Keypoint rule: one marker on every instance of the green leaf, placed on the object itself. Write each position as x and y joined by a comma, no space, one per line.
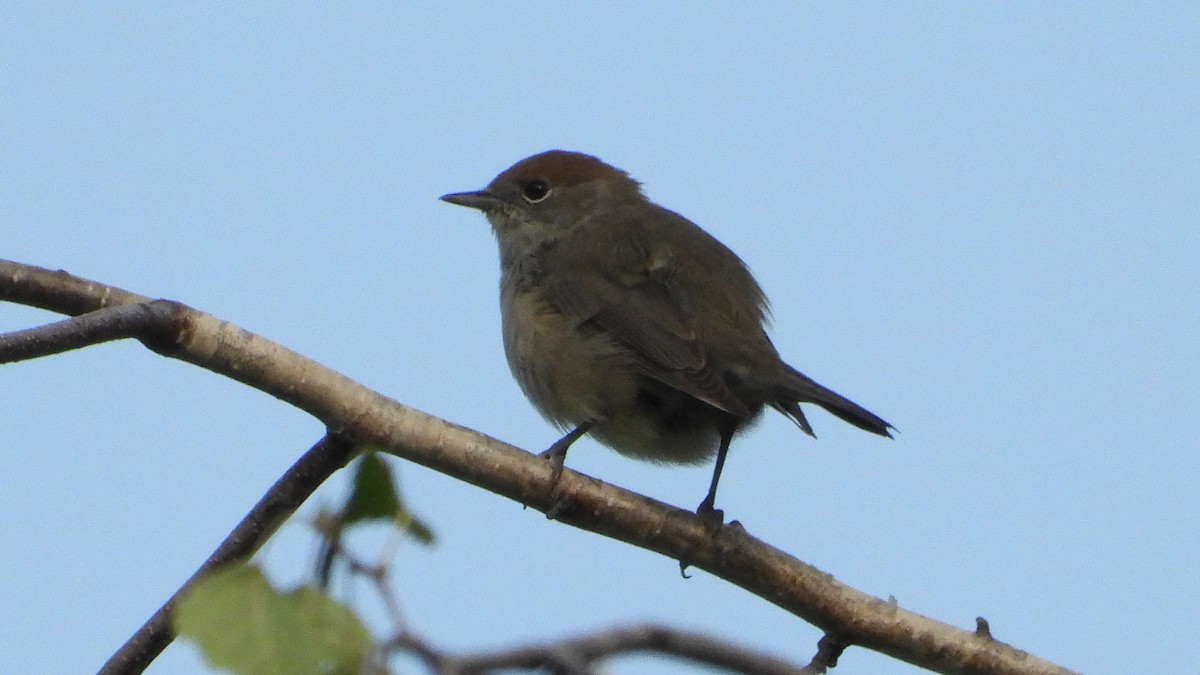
417,529
375,496
243,624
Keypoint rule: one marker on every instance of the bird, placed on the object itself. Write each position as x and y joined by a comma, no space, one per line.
627,322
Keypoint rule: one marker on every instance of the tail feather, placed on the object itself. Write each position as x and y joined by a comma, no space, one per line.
799,388
792,410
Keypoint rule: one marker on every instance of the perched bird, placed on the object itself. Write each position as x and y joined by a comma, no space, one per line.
627,321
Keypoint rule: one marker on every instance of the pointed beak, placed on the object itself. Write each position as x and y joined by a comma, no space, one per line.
482,200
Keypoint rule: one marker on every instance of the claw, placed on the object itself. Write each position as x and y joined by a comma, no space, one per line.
712,518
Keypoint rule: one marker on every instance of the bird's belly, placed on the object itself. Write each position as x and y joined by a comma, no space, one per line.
570,374
641,434
575,373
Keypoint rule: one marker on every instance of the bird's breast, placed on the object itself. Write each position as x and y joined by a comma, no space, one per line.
574,372
570,371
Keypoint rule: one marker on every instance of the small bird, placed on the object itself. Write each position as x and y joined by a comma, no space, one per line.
627,321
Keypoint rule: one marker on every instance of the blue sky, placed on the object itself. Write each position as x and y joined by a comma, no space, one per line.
979,221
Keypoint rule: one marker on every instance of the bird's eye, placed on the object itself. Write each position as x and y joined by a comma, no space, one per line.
535,190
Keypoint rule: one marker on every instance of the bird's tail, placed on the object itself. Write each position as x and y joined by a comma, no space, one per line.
798,388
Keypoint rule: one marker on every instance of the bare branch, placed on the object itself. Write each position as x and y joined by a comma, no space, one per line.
280,502
582,653
829,651
365,416
147,321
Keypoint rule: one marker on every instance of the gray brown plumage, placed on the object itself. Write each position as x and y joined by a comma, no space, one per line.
628,321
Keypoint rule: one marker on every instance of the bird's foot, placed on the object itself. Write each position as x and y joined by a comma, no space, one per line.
712,517
557,455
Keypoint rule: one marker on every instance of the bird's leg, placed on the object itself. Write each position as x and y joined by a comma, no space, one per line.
557,453
707,508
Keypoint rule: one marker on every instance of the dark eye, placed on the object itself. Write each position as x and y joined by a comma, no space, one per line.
535,190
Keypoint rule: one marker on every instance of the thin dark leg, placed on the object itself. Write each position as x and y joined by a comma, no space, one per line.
557,453
707,506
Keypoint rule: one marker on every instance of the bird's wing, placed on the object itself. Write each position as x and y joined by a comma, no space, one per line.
624,288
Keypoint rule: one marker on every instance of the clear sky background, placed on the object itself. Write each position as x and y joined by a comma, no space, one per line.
981,222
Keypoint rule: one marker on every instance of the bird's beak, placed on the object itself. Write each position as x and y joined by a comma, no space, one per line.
482,200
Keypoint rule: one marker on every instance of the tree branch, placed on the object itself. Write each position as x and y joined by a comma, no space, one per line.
581,654
363,416
281,501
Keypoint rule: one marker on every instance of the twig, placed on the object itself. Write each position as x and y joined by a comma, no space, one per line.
280,502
